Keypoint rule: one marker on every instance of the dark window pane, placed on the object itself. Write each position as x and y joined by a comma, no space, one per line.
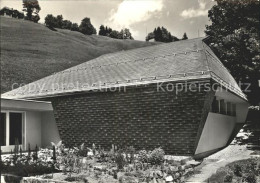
222,107
15,128
229,110
233,109
3,129
215,106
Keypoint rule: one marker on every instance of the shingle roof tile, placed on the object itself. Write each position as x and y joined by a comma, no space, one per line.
182,60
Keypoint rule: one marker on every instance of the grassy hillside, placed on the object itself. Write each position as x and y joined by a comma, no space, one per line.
31,51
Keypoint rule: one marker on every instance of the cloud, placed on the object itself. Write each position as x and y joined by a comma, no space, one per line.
133,11
191,12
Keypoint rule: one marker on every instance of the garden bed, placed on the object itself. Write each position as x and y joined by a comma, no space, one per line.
94,165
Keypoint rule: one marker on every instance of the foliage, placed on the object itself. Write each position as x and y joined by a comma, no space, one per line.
250,178
143,156
86,27
58,22
75,27
115,34
104,31
50,21
126,34
121,164
23,166
16,146
234,37
83,150
32,9
107,31
54,154
66,24
161,34
35,154
184,37
130,154
241,171
120,159
149,36
238,170
155,157
228,178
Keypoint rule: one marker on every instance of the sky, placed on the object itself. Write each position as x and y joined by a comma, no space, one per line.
140,16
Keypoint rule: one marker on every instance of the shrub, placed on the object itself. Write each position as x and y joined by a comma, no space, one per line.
250,178
120,160
130,152
83,150
238,170
228,178
156,156
143,156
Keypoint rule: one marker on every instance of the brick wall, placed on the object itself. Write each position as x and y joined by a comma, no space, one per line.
142,117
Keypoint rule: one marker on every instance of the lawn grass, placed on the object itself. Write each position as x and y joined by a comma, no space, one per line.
31,51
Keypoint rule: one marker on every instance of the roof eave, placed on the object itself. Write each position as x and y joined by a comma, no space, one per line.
102,89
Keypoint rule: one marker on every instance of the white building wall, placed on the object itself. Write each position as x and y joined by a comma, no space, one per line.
32,129
216,132
49,129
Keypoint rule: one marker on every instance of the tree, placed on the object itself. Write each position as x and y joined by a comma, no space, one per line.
86,27
161,34
36,18
184,37
50,21
175,38
59,20
125,34
108,30
102,31
158,34
234,37
115,34
66,24
166,36
32,9
75,27
149,36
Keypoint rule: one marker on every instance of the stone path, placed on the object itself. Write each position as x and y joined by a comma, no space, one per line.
212,163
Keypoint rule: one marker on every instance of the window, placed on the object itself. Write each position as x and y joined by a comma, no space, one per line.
234,110
215,105
3,129
223,107
11,128
229,108
15,128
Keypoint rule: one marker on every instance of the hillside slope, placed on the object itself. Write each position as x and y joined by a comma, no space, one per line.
31,51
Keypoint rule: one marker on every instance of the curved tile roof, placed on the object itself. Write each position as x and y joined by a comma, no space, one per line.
182,60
